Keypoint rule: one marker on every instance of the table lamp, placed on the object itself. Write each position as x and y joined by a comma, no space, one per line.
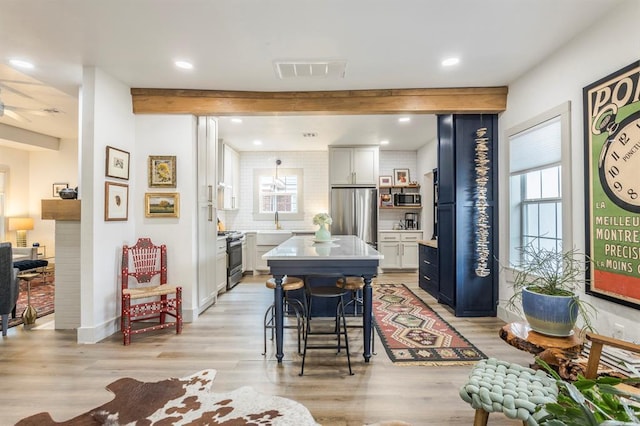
21,225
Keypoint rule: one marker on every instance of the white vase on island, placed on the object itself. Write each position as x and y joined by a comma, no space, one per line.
323,234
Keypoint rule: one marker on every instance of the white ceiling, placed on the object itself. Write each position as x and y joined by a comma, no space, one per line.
233,45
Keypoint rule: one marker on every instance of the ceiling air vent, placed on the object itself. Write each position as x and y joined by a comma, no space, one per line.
310,69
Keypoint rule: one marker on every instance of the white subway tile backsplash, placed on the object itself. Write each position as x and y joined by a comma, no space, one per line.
316,187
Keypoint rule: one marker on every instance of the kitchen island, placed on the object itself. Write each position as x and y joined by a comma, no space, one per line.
345,255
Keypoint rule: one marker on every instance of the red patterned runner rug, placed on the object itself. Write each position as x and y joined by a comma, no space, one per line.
413,334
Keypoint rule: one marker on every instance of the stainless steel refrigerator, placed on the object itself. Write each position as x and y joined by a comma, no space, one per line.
355,212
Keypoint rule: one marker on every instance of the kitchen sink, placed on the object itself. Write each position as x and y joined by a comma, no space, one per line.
272,238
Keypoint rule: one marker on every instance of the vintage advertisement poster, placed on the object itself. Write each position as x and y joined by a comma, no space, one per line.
612,173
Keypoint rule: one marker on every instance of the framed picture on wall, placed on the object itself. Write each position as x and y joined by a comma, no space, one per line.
385,181
401,177
612,188
162,171
116,201
162,204
57,187
117,163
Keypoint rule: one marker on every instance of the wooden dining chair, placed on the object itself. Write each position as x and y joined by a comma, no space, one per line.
595,352
145,292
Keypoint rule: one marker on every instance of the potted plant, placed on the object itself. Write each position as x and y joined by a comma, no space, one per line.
545,284
590,402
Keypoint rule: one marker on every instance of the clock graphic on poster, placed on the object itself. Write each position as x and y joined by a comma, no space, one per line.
619,164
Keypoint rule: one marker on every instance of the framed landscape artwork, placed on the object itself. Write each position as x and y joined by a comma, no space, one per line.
116,201
162,171
612,186
117,163
162,204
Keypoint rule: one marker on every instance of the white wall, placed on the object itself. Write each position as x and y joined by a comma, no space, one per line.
599,51
16,163
316,188
170,135
107,119
47,167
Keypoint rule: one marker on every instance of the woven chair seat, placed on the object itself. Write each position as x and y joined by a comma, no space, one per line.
288,283
142,292
498,386
350,283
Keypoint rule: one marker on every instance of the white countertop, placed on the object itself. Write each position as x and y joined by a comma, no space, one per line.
341,247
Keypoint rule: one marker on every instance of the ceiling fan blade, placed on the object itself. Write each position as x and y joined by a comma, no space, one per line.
17,92
45,112
15,116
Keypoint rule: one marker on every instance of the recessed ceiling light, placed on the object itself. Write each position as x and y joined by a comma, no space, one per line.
257,142
384,142
184,65
404,119
236,120
20,63
450,62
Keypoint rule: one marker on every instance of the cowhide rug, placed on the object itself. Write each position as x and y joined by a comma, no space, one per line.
186,401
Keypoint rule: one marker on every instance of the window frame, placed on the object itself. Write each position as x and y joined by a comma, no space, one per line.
3,202
515,198
258,174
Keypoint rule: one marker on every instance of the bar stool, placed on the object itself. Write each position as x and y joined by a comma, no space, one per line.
355,286
290,304
324,292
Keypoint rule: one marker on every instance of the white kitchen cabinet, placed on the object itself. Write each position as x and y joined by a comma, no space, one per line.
353,165
400,249
265,241
229,185
221,264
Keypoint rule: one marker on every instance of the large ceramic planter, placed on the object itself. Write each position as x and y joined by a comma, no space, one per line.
550,315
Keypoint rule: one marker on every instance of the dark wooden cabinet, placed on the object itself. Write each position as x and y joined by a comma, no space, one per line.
459,285
428,269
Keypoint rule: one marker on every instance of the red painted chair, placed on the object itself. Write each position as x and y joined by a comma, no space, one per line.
145,293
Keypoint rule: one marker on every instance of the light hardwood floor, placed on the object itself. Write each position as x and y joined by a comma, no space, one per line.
45,370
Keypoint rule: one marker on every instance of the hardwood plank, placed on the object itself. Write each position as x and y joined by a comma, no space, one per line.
391,101
46,370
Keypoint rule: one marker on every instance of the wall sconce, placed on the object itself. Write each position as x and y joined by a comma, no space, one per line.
21,225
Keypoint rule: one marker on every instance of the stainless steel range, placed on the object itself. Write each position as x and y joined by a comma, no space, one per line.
234,257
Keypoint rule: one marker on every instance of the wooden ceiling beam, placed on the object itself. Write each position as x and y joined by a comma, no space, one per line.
385,101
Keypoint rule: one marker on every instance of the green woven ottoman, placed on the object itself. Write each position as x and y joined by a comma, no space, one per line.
496,386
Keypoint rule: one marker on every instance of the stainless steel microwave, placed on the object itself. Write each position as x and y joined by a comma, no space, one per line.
402,199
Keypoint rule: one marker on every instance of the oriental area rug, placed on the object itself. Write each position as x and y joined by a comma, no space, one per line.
42,298
185,401
413,334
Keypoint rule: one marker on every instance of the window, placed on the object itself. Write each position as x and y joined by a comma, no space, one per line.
539,178
281,194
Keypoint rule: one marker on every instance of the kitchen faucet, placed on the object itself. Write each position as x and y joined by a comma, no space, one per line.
276,221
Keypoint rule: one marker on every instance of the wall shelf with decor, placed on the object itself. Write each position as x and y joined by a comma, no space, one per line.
400,197
401,207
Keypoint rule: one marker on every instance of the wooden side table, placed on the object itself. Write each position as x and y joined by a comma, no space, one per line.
558,352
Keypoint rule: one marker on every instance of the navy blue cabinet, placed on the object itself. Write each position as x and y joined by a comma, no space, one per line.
428,269
460,287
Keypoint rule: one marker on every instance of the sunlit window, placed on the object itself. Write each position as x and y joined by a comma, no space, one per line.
281,194
538,171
